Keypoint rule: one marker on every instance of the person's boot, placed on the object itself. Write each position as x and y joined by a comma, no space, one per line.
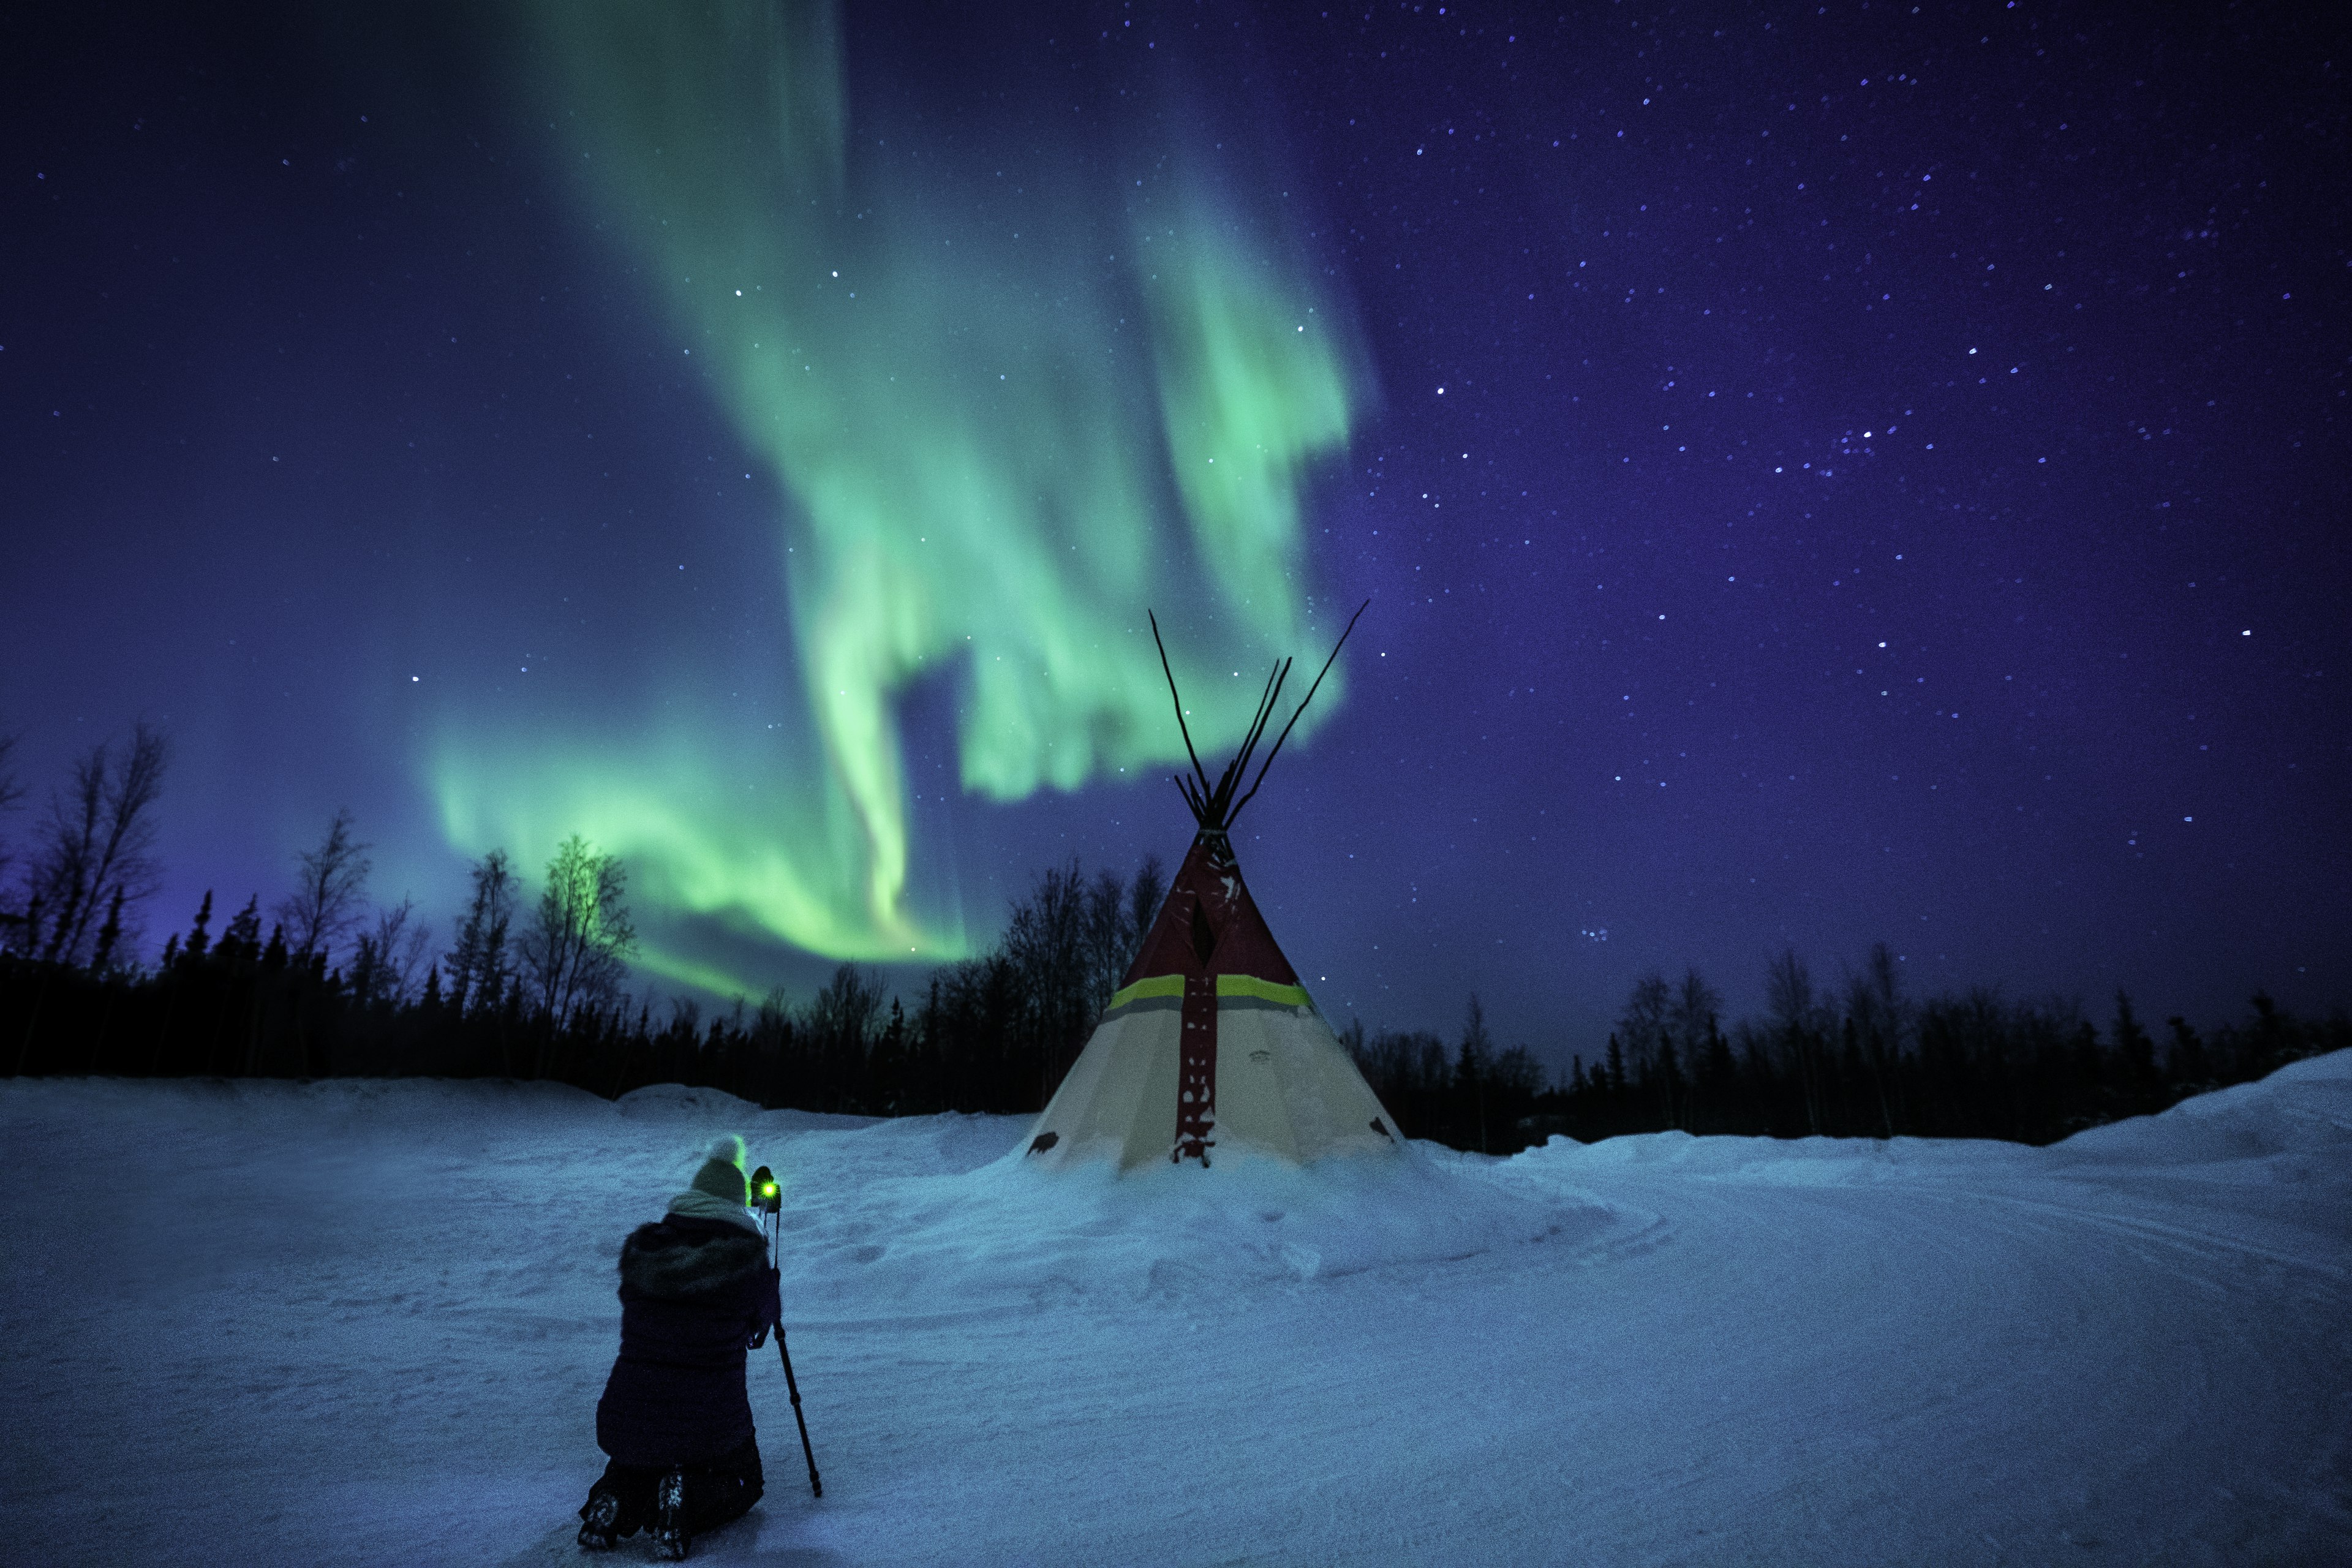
599,1526
669,1537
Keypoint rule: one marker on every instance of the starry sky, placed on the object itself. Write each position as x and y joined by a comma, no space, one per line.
1821,473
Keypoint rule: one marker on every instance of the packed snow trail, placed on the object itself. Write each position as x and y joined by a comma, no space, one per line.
368,1321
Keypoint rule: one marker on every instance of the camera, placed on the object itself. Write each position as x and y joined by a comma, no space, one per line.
767,1192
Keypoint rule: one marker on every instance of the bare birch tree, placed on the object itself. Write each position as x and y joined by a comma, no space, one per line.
1880,1019
574,952
481,964
1798,1026
388,962
93,852
1642,1026
328,900
1472,1067
1689,1024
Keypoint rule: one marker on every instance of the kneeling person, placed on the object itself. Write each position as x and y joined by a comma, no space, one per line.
695,1293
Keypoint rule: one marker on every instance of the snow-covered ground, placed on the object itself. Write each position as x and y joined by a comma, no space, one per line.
368,1321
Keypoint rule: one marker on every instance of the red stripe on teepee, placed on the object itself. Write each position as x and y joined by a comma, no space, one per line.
1196,1072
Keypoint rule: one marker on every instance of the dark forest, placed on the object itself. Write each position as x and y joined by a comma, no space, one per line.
325,985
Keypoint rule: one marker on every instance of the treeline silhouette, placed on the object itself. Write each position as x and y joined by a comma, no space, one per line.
995,1034
1870,1064
534,988
989,1033
1867,1061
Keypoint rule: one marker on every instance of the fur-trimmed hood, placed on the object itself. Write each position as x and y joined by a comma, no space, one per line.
685,1259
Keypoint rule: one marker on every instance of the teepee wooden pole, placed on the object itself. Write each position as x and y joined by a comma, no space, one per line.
1178,697
1302,707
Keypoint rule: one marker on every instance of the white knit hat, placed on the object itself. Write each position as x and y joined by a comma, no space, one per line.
718,1191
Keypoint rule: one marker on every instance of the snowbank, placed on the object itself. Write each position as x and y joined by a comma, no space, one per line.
2297,1121
2289,1125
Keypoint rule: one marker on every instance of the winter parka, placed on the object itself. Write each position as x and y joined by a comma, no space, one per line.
693,1292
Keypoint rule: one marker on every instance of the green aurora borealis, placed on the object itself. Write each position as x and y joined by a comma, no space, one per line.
1008,396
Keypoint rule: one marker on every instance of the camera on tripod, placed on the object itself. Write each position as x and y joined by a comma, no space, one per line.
767,1197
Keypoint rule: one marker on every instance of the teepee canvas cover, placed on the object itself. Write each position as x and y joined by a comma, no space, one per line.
1211,1043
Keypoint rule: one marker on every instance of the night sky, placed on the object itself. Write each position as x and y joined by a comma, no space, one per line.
1821,473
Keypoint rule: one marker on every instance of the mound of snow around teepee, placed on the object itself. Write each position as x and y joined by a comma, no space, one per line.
1009,1230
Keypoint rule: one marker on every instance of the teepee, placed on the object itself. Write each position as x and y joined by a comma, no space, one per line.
1210,1043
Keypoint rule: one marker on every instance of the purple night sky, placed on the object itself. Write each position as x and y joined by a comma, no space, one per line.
1821,475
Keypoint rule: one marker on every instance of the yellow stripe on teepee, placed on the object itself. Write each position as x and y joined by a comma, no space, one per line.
1156,985
1264,990
1227,986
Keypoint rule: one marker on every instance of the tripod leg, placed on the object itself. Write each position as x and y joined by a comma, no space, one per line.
775,1243
816,1486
